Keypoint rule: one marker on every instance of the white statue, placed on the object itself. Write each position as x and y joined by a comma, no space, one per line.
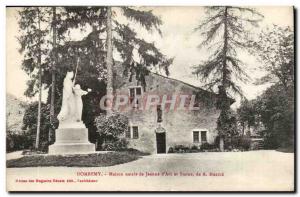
78,92
71,108
68,98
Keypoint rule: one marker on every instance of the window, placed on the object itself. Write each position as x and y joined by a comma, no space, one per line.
132,132
135,94
196,136
131,94
135,132
138,91
128,133
159,113
203,136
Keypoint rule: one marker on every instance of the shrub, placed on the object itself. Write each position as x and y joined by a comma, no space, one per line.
181,148
241,142
121,144
207,146
30,126
171,150
194,147
112,129
245,142
19,141
108,147
118,145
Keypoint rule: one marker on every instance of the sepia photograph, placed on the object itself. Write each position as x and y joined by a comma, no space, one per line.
150,98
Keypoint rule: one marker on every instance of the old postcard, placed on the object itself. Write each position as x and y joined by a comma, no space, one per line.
126,98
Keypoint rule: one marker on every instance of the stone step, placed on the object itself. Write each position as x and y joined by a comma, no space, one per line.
72,148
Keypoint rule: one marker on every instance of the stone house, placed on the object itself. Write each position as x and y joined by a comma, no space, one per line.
160,127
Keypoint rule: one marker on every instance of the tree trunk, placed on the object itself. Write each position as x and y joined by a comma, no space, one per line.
109,61
224,105
243,128
221,144
249,130
225,48
38,129
52,100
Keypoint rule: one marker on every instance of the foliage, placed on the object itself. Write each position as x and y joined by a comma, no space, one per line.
225,31
111,129
34,42
275,50
90,160
18,141
127,44
145,18
247,114
241,142
118,145
193,149
275,111
207,146
89,52
181,148
171,150
26,138
275,107
277,115
30,123
227,123
92,50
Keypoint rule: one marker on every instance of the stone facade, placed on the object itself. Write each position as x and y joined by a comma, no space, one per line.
177,126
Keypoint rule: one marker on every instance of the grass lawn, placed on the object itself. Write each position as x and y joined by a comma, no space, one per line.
89,160
287,149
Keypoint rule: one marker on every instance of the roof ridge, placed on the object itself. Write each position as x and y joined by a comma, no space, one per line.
193,86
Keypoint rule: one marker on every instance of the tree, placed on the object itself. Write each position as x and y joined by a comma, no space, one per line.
276,104
109,58
33,42
33,45
124,39
275,50
247,114
40,85
127,42
91,53
277,116
225,31
52,99
110,34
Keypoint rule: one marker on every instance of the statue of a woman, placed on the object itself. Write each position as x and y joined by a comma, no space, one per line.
68,100
78,93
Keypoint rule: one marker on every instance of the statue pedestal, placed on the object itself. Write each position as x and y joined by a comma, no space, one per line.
71,140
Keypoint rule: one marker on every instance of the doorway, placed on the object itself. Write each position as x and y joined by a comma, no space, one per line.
161,142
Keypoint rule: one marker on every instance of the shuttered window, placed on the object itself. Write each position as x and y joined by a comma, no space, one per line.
203,136
135,132
135,94
196,136
128,133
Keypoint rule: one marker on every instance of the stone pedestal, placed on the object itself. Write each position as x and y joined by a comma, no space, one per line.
71,139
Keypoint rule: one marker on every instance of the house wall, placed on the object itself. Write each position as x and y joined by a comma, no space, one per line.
179,125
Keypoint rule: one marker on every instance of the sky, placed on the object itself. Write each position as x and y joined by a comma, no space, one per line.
178,40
